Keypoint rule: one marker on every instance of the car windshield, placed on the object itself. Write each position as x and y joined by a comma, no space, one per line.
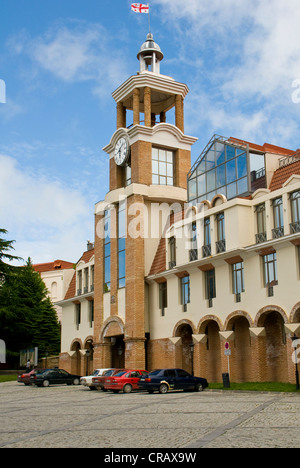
119,374
109,372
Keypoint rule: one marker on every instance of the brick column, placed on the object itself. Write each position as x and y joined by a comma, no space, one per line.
99,283
179,112
135,288
147,106
136,106
121,115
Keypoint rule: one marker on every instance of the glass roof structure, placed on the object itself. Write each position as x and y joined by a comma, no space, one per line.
227,168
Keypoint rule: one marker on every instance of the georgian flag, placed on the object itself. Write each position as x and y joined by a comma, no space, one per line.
140,8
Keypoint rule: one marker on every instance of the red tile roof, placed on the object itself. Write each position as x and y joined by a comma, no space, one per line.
282,174
71,292
266,148
52,266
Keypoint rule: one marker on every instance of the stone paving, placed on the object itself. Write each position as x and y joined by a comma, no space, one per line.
75,417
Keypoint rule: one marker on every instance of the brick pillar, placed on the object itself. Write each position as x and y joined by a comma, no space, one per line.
135,288
136,106
121,115
114,263
179,112
147,106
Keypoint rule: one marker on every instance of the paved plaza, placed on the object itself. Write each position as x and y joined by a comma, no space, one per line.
70,417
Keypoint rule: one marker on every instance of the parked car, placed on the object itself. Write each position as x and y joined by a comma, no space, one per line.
87,381
54,377
125,380
98,382
26,376
164,380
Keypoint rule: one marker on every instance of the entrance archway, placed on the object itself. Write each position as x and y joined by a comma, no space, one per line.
241,349
275,355
185,332
212,352
76,358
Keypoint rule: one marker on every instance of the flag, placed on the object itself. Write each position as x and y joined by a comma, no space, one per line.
140,8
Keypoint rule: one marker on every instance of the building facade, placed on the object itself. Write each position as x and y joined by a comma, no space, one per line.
190,259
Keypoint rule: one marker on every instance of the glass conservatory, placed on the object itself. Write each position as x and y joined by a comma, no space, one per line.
228,168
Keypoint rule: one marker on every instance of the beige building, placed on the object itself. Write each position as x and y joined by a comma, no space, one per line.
188,259
56,276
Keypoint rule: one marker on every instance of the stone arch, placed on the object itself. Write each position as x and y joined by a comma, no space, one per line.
218,196
75,348
232,317
185,330
260,316
295,313
113,326
208,318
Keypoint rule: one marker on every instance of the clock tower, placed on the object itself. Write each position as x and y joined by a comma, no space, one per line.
149,159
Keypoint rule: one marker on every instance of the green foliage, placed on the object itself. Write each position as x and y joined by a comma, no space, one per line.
27,316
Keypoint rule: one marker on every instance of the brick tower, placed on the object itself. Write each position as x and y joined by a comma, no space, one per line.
149,161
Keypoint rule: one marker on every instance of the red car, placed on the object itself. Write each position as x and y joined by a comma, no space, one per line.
98,382
125,380
25,378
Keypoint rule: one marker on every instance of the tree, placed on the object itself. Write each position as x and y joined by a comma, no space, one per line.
5,247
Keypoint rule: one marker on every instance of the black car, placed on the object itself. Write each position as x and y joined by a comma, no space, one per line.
54,377
164,380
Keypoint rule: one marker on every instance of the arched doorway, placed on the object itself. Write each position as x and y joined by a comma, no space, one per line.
241,349
76,358
185,332
212,351
275,355
117,351
112,337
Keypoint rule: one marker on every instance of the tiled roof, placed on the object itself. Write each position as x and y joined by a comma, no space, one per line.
266,148
86,256
282,174
52,266
72,288
159,262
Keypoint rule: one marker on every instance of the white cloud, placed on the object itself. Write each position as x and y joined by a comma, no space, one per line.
52,220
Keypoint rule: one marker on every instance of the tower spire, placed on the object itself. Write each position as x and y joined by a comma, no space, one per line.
150,55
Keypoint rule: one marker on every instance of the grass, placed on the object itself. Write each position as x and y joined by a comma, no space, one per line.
257,387
8,378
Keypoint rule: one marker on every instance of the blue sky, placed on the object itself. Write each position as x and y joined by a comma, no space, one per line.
62,59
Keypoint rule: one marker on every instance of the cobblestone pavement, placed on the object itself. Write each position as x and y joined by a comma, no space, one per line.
66,417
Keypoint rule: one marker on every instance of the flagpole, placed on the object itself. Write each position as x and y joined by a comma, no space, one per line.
149,18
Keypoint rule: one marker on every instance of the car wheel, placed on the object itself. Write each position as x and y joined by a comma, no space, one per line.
76,382
46,383
127,388
163,388
92,388
199,388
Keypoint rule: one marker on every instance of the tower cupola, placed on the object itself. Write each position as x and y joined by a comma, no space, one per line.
150,55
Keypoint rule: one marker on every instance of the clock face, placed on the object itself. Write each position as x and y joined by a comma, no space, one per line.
121,151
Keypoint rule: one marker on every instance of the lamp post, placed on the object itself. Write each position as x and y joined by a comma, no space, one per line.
192,346
295,344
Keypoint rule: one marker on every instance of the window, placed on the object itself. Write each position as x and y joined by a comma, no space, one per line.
298,258
127,175
185,292
295,209
238,280
162,167
261,235
210,285
163,297
79,284
172,252
106,251
278,230
193,249
91,313
121,244
221,243
86,280
92,273
270,272
207,241
77,315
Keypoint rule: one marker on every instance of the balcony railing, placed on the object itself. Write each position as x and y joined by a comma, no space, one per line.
193,255
206,251
295,227
261,237
278,232
221,246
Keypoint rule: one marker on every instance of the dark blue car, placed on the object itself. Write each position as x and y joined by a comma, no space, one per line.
164,380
